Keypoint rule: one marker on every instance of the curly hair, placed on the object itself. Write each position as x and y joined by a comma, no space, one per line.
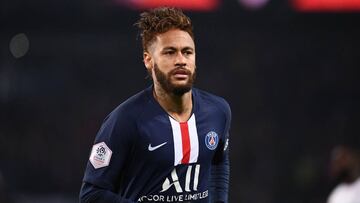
160,20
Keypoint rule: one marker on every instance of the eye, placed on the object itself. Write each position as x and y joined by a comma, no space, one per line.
169,52
187,52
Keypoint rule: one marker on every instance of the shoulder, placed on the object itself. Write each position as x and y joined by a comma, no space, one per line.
345,190
209,99
132,108
338,194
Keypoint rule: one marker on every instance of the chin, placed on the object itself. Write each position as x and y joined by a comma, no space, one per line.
179,91
180,88
182,84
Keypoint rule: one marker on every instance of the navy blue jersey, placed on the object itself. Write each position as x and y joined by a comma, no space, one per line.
142,154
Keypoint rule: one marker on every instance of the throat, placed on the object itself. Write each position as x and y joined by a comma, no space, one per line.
180,117
178,107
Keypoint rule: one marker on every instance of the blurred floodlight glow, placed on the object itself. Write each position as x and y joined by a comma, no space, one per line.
326,5
253,4
192,5
19,45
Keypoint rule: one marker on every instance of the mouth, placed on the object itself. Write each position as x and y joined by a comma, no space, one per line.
181,74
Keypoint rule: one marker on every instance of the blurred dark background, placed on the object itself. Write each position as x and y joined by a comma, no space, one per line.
290,76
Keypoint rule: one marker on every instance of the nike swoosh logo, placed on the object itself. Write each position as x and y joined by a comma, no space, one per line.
151,148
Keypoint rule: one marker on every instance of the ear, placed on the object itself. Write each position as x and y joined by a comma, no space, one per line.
147,60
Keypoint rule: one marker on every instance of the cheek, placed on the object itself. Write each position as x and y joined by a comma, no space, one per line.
192,62
192,67
164,66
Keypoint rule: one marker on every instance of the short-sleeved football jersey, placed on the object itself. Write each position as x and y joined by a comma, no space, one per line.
145,155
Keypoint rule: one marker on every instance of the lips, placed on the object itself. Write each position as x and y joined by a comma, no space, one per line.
180,72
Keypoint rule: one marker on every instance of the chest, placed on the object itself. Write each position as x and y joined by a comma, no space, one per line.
165,142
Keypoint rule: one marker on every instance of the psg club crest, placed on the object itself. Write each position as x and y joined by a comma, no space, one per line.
211,140
100,155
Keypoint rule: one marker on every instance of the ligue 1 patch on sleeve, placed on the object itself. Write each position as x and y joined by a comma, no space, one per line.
100,155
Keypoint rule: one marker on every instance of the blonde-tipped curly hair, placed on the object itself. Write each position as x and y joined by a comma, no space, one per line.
160,20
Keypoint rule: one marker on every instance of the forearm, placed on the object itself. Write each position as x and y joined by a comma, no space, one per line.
92,194
219,184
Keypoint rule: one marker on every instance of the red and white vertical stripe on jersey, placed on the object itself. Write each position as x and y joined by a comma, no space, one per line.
185,138
186,143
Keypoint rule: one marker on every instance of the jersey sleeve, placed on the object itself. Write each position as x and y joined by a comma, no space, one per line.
220,169
110,152
93,194
222,150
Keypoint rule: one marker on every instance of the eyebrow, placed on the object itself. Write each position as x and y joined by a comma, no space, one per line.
173,48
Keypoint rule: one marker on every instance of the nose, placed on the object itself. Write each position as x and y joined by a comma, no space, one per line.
180,60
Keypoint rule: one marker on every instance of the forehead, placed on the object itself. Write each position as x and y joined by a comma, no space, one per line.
173,38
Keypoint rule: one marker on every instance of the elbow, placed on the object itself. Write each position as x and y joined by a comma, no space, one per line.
87,193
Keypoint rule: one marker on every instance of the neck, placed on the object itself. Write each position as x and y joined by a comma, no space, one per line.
177,106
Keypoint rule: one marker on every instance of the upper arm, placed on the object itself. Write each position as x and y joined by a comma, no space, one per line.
111,148
222,150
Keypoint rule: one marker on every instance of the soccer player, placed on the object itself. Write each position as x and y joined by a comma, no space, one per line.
345,168
169,142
